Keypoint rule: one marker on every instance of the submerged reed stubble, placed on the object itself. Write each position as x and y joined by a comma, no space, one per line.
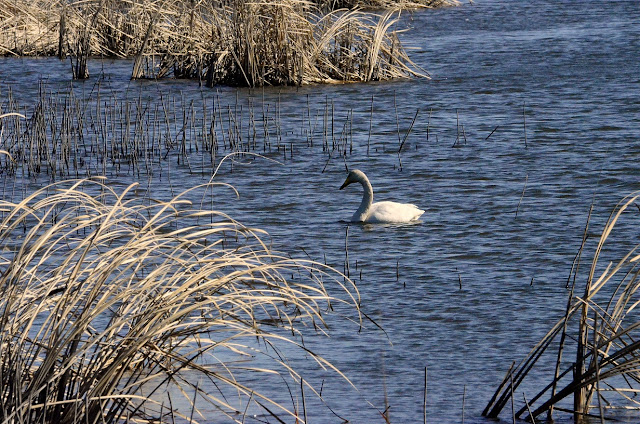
106,300
78,135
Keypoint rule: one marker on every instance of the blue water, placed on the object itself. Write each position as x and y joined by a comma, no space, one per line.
532,113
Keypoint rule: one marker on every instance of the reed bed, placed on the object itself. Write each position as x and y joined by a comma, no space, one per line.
107,301
386,4
595,346
83,134
85,130
247,43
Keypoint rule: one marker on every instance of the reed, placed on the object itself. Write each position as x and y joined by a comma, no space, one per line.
106,302
79,134
603,324
386,4
248,43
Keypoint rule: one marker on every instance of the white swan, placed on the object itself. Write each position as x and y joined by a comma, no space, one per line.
379,212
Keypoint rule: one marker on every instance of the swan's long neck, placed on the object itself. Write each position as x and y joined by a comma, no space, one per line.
367,201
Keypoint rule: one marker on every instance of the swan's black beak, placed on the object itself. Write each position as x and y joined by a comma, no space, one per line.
346,183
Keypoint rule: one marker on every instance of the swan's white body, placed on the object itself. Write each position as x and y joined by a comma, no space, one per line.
380,212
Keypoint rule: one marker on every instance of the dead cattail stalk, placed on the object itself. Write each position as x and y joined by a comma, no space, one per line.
304,406
370,126
464,395
524,125
424,399
138,72
533,420
522,195
491,133
429,123
346,251
406,136
62,32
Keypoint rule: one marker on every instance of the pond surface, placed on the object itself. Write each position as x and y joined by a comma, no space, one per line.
532,114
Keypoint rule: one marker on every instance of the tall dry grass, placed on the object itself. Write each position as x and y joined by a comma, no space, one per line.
106,301
249,43
385,4
595,346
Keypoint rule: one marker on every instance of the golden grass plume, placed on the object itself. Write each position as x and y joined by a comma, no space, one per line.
106,299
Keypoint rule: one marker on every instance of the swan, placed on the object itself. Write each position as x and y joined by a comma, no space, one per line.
380,212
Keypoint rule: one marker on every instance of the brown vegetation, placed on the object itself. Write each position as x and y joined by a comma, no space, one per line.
601,323
385,4
76,133
108,301
282,42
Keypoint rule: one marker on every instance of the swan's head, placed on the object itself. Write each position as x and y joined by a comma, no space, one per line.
355,176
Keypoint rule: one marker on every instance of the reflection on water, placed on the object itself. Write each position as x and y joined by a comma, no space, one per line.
472,287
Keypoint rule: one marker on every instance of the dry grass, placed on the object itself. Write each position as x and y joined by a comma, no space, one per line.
105,300
602,324
249,43
386,4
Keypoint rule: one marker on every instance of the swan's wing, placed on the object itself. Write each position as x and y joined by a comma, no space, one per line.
393,212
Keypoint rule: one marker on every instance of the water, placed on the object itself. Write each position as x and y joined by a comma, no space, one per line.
472,287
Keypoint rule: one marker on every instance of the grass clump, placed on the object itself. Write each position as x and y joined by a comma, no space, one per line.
105,303
595,346
386,4
247,43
